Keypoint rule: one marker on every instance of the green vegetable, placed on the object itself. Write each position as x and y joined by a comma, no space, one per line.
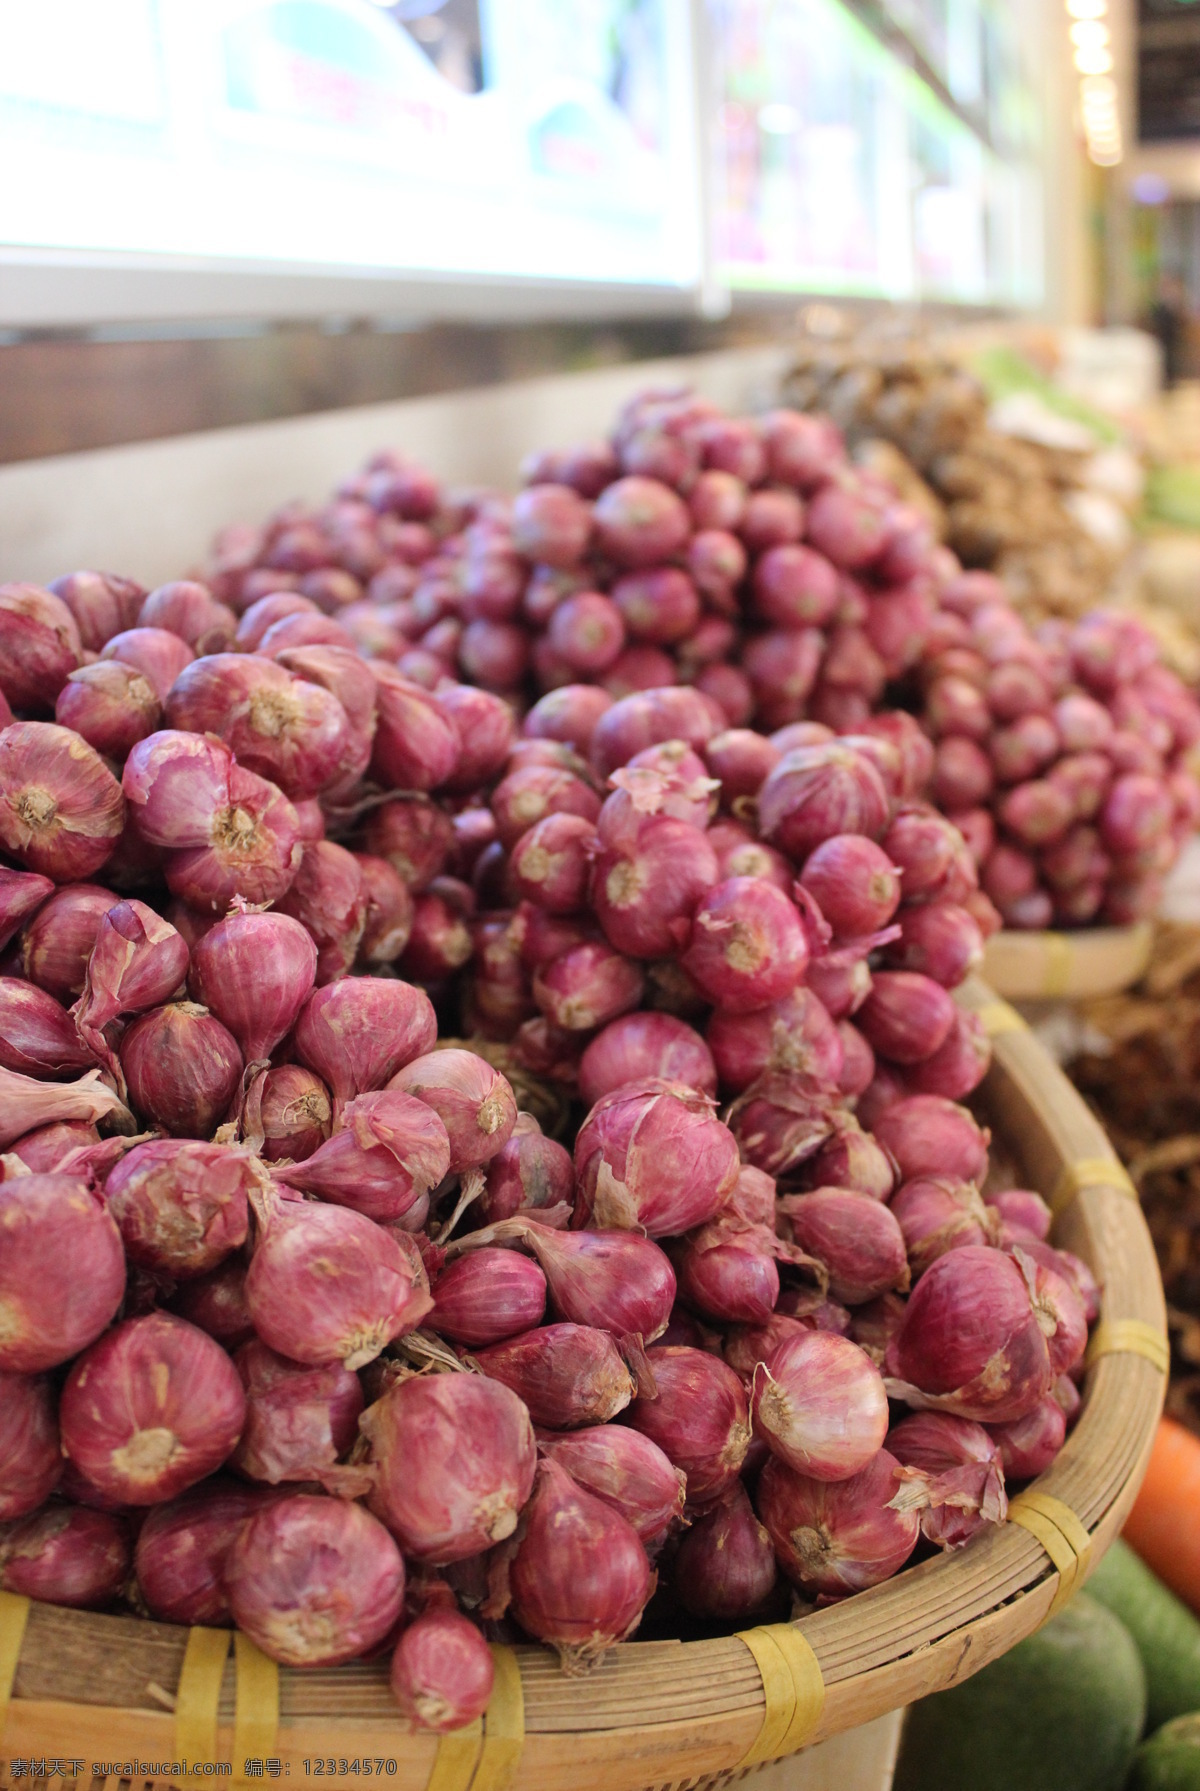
1170,1760
1061,1712
1166,1633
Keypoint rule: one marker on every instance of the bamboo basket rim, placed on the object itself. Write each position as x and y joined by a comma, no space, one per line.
675,1715
1074,966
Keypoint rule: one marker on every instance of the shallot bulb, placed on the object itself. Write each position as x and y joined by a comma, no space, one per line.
635,1046
294,1113
580,1579
30,1458
527,1175
727,1272
182,1067
936,1214
906,1017
355,1034
298,1419
68,1555
21,893
699,1419
552,862
190,610
959,1064
39,646
782,1120
138,961
414,835
929,1136
816,792
747,948
388,1152
724,1570
314,1582
628,1472
62,1270
615,1281
442,1671
59,939
851,1158
181,1206
328,1285
255,971
110,705
854,884
328,898
586,986
971,1342
565,1374
151,1409
252,848
156,653
416,746
474,1102
819,1403
648,876
488,1296
285,729
181,1550
651,1155
832,1539
101,602
455,1458
961,1475
61,808
795,1033
389,917
1028,1445
855,1238
216,1303
36,1036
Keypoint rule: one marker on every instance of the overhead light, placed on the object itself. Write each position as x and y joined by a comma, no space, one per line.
1089,34
1087,9
1093,62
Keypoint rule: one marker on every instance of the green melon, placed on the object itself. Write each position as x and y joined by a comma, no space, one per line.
1166,1633
1170,1760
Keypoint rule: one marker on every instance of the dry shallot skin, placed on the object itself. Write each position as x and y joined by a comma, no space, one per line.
298,1419
488,1296
389,915
179,1560
156,653
314,1581
1028,1445
174,783
580,1579
566,1375
183,1068
36,1036
30,1459
652,1156
724,1570
626,1471
62,1271
216,1303
455,1458
587,985
326,1284
747,946
39,645
27,1104
527,1175
795,1033
138,961
861,1247
819,1403
700,1418
834,1539
965,1474
928,1135
474,1102
152,1408
328,897
102,603
66,1555
110,705
181,1205
442,1671
970,1342
388,1152
782,1120
357,1033
61,808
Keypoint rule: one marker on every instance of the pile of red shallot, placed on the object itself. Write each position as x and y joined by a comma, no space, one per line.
750,559
378,1272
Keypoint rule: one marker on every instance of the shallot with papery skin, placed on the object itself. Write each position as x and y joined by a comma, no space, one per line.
442,1671
907,1016
851,1158
724,1570
645,1044
488,1296
39,645
314,1582
252,848
552,862
936,1214
527,1175
648,876
292,1109
62,1270
36,1036
59,939
66,1555
959,1064
971,1342
389,917
616,1281
110,705
819,1403
182,1067
929,1135
580,1579
138,961
190,610
255,971
699,1418
861,1247
1028,1445
795,1033
216,1303
747,948
961,1485
727,1271
939,940
652,1155
328,1285
156,653
840,1538
414,835
1021,1210
357,1033
854,883
299,1419
151,1409
816,792
625,1470
27,1104
181,1205
416,746
782,1120
565,1374
61,808
30,1458
389,1151
21,894
329,899
455,1458
181,1548
474,1102
102,604
586,986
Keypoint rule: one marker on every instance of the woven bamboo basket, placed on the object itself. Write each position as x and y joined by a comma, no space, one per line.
1067,966
119,1692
